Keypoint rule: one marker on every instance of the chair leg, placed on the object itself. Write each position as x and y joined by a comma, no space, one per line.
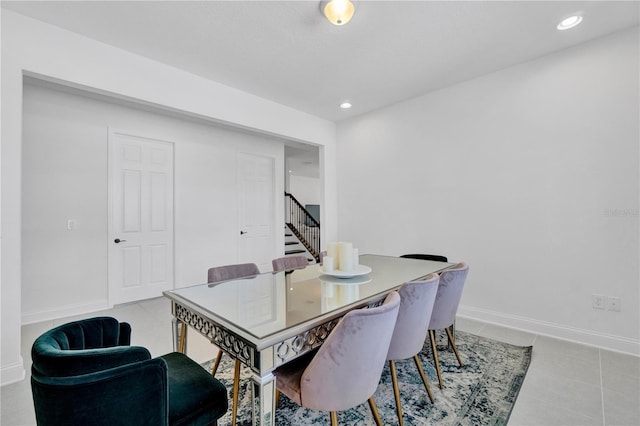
334,418
277,397
423,376
453,330
214,369
183,338
434,351
453,344
396,390
374,411
236,388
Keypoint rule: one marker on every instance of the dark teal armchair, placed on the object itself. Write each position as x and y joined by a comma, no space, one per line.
86,373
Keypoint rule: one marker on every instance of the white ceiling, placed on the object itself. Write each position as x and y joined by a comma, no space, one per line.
287,52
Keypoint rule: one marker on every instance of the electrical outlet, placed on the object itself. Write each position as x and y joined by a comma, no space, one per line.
598,301
613,303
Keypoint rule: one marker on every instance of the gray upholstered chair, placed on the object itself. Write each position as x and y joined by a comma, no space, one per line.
224,273
87,373
288,263
445,309
346,369
411,329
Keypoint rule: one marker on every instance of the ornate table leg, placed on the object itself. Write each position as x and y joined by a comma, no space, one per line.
263,389
264,401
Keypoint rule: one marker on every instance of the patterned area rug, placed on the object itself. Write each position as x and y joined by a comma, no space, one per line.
482,392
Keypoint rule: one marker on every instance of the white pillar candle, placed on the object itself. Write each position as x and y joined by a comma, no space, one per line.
332,251
327,264
356,258
345,256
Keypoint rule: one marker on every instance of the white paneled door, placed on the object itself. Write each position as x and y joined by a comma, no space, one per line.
141,217
256,209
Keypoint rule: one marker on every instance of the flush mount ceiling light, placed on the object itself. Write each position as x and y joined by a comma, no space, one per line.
338,12
345,105
569,22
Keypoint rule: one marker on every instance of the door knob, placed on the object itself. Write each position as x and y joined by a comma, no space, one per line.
243,232
118,240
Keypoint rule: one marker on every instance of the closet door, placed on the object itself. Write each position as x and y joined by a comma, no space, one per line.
256,209
141,254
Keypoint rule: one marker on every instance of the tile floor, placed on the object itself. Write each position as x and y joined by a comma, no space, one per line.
567,383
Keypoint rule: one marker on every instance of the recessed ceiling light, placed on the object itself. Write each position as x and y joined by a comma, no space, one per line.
345,105
569,22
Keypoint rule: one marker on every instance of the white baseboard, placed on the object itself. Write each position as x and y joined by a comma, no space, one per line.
586,337
64,311
12,373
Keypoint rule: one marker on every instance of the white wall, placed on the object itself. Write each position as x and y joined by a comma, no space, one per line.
65,177
307,190
33,48
529,174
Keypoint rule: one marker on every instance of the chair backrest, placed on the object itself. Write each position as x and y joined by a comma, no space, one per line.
435,257
323,253
230,272
346,370
448,297
289,262
85,346
412,325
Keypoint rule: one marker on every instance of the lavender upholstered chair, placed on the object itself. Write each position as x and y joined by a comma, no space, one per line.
411,329
289,262
346,369
230,272
444,310
223,273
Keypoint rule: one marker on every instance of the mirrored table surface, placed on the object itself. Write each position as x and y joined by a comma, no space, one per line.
270,304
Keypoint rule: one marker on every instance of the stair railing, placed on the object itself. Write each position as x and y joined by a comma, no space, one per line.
303,225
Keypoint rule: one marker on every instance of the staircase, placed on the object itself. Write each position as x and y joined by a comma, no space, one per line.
302,230
294,247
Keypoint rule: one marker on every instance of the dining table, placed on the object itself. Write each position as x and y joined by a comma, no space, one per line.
270,319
